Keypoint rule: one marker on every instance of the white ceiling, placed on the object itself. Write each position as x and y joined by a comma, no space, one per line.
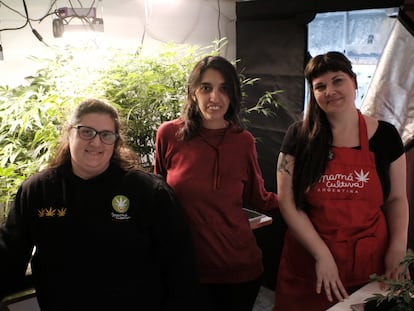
178,21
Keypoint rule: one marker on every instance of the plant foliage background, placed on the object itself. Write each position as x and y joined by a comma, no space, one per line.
400,293
147,88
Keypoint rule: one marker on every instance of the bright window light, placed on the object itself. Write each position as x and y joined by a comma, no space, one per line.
172,2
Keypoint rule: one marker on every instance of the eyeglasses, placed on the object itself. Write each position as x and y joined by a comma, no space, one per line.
89,133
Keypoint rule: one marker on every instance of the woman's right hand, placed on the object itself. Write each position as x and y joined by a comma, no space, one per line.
327,278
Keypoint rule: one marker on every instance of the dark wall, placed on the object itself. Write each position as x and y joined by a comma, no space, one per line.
266,46
410,185
273,50
271,9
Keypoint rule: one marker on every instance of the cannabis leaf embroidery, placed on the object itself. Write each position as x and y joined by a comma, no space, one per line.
61,212
41,213
121,203
50,212
362,176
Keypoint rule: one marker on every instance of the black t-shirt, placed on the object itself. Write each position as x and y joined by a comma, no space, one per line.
386,144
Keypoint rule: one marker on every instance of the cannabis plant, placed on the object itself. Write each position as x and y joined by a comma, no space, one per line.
400,293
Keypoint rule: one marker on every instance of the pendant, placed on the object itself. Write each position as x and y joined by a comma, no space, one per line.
331,155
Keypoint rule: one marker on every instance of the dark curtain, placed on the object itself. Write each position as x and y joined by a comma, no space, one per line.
274,51
409,147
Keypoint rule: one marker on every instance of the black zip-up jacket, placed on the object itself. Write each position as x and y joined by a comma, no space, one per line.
118,241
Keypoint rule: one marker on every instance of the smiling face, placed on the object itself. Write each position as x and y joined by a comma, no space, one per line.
212,99
334,91
91,157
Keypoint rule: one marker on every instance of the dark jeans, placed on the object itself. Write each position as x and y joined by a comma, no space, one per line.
229,297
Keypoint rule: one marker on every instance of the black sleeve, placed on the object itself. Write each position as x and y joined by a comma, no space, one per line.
289,141
387,145
15,249
176,251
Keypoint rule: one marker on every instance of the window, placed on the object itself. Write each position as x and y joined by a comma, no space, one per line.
361,35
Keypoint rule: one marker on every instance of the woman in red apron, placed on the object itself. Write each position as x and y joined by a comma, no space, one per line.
342,193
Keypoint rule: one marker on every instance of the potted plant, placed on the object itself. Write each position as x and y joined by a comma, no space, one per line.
400,293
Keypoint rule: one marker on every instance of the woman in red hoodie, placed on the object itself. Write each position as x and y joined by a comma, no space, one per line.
210,161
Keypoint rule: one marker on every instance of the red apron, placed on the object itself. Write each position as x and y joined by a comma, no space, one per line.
346,212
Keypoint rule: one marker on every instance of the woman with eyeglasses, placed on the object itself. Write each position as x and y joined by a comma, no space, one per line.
106,235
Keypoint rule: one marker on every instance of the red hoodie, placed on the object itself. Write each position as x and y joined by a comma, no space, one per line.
212,175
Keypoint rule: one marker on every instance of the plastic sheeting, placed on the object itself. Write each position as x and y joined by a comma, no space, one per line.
390,95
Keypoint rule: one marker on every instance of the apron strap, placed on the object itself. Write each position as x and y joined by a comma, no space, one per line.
363,132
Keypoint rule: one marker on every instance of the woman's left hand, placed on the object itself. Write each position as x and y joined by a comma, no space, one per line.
393,269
